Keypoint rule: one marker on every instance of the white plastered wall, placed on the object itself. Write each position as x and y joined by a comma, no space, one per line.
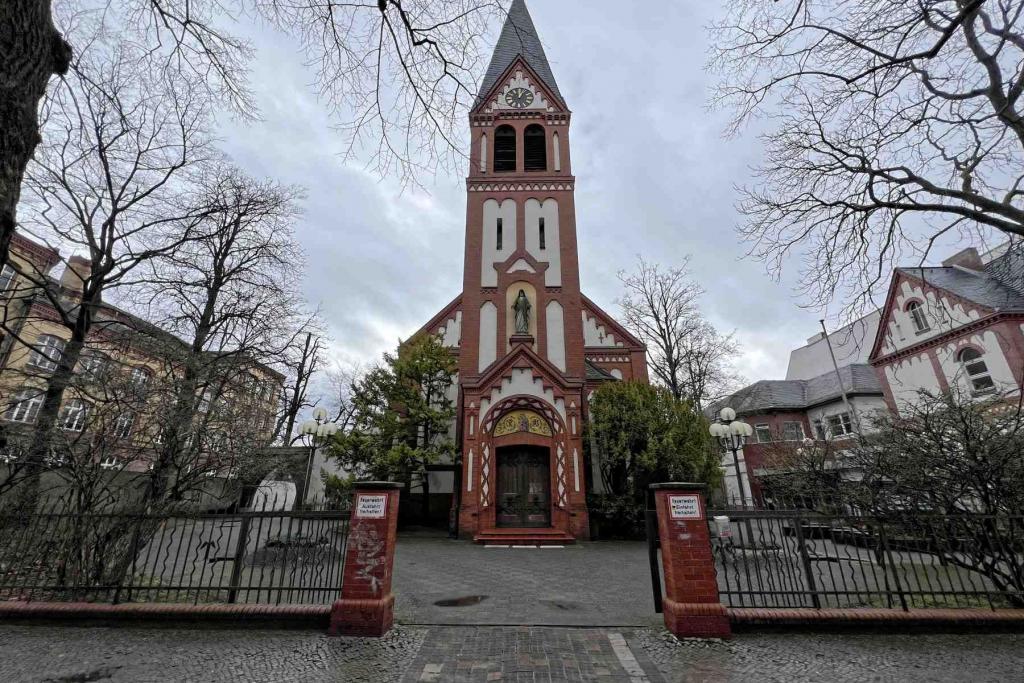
943,313
909,376
995,359
488,335
556,335
551,254
451,331
490,254
521,382
595,334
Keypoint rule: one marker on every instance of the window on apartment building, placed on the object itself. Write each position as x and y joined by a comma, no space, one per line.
109,462
977,371
918,317
6,278
764,433
74,415
140,380
94,364
25,406
123,425
206,400
840,425
792,431
819,430
47,352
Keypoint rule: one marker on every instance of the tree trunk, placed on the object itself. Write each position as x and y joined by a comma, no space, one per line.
31,50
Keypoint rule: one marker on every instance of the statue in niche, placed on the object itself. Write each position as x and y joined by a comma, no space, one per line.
521,308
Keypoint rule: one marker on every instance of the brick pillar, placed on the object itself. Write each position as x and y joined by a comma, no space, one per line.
691,605
367,605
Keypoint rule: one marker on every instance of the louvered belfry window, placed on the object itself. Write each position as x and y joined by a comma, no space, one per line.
535,148
505,149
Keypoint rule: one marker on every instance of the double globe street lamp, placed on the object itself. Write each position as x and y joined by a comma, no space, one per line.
316,433
732,435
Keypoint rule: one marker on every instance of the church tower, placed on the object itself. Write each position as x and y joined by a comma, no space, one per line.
531,347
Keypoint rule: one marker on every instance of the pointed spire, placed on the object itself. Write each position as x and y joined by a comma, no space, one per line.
518,37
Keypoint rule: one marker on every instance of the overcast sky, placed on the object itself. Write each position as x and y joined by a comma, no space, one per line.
655,178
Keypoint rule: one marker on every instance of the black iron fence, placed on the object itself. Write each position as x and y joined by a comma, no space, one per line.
771,558
264,556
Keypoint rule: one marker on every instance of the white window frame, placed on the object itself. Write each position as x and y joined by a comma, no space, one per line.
93,363
124,424
108,462
800,425
47,352
25,407
845,422
7,276
982,374
767,428
74,415
915,309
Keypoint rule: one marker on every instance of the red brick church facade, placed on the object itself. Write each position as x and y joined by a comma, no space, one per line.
522,396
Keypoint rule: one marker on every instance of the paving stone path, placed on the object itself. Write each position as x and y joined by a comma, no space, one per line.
587,584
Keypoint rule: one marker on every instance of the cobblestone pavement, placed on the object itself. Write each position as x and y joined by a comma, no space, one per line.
836,658
47,654
587,584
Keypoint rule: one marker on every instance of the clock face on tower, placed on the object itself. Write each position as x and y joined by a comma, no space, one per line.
519,98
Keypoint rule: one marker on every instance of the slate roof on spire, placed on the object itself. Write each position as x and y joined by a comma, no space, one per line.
518,37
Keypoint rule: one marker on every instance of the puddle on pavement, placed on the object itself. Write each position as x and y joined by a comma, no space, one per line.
461,602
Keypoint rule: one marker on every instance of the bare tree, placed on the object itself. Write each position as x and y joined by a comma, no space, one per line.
229,293
304,360
685,352
892,124
111,184
399,73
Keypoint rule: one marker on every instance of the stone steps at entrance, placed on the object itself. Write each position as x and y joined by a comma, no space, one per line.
526,536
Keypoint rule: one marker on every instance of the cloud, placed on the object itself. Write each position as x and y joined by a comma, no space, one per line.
655,178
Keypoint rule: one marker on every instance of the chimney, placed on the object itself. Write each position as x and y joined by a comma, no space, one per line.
968,258
75,274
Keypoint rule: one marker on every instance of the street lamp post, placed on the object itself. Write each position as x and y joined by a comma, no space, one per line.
732,434
316,433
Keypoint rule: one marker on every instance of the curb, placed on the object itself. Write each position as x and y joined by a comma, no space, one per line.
161,614
875,620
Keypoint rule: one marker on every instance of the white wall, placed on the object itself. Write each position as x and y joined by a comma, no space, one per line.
594,333
490,254
521,383
909,376
551,254
995,359
451,331
943,314
556,335
488,335
852,344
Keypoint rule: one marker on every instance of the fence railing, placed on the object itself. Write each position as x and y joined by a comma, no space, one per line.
266,556
768,558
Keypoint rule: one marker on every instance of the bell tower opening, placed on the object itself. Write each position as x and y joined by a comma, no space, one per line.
505,149
535,148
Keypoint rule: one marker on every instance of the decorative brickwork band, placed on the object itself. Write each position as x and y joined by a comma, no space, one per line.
366,607
691,605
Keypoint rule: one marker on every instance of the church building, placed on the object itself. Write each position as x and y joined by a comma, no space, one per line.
531,347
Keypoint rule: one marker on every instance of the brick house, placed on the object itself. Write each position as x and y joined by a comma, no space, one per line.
530,346
959,324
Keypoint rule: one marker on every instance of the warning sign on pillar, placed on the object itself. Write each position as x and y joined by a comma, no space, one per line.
685,507
371,507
